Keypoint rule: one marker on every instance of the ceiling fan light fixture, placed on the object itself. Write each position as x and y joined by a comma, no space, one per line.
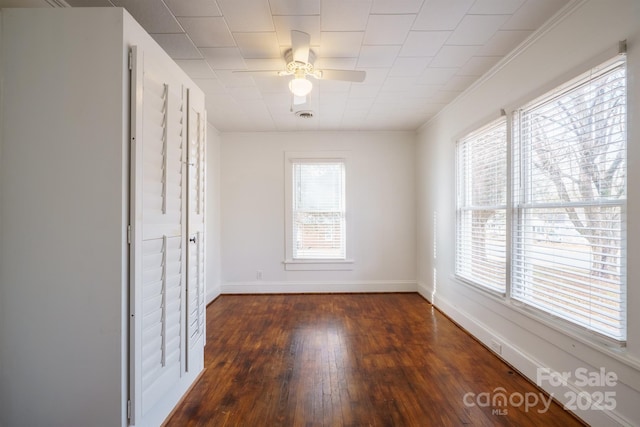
300,86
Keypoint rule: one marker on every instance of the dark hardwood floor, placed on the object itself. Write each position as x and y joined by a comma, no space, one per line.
351,360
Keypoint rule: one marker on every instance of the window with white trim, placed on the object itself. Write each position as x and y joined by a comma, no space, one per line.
316,219
318,210
568,233
481,206
570,198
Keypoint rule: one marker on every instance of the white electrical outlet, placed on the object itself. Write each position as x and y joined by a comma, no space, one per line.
259,275
496,346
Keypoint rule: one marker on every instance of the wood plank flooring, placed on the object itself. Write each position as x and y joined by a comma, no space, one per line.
349,360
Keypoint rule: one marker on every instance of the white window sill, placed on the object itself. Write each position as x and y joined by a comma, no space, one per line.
318,264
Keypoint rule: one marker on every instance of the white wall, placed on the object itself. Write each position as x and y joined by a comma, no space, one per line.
62,212
213,213
565,50
380,202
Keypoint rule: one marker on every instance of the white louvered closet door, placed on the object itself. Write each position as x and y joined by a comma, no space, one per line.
158,312
196,292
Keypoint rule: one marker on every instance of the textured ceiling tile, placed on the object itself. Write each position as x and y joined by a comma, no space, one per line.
453,56
424,91
396,6
336,44
196,68
230,79
409,66
210,86
360,103
503,42
418,54
306,24
208,31
424,43
243,93
478,65
396,84
375,76
224,58
364,91
153,15
258,45
336,63
193,7
73,3
495,7
247,15
459,83
339,15
476,29
295,7
377,56
388,29
327,86
438,15
275,64
178,46
436,76
533,14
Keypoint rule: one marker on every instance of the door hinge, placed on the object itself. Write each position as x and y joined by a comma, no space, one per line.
130,60
129,234
128,409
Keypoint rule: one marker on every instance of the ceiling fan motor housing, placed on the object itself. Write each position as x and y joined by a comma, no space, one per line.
293,66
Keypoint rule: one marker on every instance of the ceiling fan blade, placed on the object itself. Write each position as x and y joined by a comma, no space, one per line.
344,75
300,46
298,100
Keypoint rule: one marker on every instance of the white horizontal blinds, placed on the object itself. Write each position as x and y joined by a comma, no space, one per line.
481,206
570,199
319,210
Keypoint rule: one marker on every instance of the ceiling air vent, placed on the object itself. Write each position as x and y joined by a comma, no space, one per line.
305,114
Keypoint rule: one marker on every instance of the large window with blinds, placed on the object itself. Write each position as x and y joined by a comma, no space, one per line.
570,197
482,206
318,209
567,237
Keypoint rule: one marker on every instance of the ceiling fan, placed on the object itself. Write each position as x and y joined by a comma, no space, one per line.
300,59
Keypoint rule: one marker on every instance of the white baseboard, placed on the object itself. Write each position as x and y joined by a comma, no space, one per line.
212,293
522,361
425,291
263,287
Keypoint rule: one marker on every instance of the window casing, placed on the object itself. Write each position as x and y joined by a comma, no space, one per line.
567,241
317,227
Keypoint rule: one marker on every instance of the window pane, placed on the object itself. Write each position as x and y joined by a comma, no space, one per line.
568,254
318,211
481,206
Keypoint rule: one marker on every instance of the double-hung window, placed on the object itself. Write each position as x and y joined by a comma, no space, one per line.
567,207
482,206
570,198
316,213
318,210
